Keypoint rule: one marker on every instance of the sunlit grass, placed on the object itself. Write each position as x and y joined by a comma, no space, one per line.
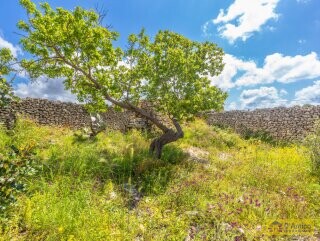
79,193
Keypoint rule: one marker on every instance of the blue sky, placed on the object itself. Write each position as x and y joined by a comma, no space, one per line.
272,46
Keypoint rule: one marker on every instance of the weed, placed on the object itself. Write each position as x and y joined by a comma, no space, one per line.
313,143
110,188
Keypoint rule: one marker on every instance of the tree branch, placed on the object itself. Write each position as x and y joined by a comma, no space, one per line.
126,105
178,127
145,114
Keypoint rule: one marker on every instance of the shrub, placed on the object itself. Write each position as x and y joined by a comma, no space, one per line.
261,135
14,167
313,142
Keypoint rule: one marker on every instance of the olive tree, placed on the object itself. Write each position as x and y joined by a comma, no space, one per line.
169,71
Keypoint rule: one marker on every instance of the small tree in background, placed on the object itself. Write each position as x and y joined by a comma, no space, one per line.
169,71
6,94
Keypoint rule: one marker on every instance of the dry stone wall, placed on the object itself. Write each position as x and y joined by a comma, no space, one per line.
281,123
47,112
72,115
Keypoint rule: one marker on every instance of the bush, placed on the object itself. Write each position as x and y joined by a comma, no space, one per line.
313,142
261,135
14,167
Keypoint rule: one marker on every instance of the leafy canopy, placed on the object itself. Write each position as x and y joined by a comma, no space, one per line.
6,93
170,71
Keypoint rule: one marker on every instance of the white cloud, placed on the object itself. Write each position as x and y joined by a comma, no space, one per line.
243,18
276,68
283,69
52,89
205,28
15,50
232,106
308,95
264,97
283,92
233,66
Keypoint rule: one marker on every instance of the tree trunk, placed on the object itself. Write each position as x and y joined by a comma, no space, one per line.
169,136
97,124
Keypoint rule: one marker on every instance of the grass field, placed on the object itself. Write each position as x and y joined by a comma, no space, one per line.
109,188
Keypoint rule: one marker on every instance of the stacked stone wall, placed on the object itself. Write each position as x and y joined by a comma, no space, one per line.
46,112
281,123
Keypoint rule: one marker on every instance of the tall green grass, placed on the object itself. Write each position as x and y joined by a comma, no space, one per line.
83,190
313,143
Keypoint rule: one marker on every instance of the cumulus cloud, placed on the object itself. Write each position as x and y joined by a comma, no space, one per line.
308,95
52,89
276,68
232,106
15,50
233,67
263,97
283,69
243,18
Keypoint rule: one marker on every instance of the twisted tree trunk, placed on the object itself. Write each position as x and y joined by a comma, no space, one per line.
168,136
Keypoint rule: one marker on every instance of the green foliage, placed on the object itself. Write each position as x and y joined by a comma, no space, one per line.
259,135
6,94
18,160
14,168
211,136
84,188
170,71
63,41
174,69
313,143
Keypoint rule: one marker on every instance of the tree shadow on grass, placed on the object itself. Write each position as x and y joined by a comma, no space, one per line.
132,170
149,174
141,175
